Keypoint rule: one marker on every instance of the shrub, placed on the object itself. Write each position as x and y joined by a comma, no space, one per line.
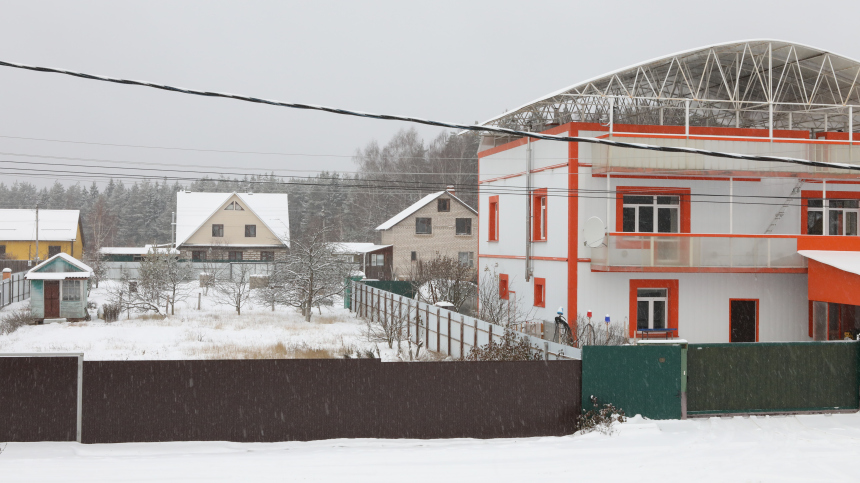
10,322
111,312
600,419
510,348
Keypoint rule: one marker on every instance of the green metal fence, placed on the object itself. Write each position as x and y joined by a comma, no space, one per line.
395,286
771,377
640,379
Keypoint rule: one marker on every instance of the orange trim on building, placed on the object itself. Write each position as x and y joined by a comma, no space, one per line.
698,270
522,257
504,288
757,303
493,225
540,292
539,231
572,229
665,177
672,285
620,191
829,284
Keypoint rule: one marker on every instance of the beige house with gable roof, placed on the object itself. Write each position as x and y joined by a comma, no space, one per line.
440,224
232,227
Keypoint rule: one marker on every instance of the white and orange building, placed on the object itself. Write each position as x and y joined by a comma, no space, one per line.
722,250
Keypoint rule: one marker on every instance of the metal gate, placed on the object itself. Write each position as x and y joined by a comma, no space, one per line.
772,377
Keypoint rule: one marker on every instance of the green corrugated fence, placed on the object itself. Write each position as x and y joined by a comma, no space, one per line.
640,379
772,377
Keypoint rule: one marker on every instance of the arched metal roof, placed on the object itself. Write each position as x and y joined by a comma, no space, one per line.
735,84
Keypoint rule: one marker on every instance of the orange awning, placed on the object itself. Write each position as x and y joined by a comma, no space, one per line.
834,276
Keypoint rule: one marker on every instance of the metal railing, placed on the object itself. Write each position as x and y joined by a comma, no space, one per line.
14,289
442,330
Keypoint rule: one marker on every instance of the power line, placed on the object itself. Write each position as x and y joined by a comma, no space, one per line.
372,187
465,127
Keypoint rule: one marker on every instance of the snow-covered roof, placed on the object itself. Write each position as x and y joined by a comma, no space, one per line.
36,274
356,248
193,209
54,225
845,261
417,206
135,250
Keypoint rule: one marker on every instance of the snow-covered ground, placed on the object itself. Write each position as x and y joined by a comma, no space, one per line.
214,332
795,449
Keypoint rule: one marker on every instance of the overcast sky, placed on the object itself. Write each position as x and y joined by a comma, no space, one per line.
457,61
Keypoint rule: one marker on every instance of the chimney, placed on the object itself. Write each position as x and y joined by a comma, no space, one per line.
450,189
7,273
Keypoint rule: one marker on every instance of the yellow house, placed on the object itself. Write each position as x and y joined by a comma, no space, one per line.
59,232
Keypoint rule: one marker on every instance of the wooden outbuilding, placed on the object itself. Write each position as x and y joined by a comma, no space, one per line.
58,289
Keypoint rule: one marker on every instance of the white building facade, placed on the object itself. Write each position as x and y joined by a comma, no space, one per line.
703,248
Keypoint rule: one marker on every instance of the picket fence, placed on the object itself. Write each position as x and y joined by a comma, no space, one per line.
442,330
14,289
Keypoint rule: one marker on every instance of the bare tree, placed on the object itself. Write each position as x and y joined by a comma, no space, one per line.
444,279
178,276
494,309
142,294
232,287
391,326
95,260
274,293
314,272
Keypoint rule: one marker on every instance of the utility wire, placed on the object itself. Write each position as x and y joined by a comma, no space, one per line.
465,127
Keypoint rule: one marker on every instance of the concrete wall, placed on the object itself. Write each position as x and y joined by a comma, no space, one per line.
443,241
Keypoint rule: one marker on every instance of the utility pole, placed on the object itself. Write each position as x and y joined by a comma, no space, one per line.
37,233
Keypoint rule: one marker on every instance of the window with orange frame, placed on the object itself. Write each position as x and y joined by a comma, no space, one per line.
539,215
540,292
494,219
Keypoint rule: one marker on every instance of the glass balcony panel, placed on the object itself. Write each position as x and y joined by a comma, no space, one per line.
666,251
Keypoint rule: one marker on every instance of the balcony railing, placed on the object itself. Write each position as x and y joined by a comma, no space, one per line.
614,159
697,252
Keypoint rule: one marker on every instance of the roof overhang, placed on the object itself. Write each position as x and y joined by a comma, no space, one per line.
834,276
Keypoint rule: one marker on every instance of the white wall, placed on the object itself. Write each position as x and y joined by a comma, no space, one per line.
703,301
703,297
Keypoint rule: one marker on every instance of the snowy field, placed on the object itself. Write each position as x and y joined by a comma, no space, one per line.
794,449
214,332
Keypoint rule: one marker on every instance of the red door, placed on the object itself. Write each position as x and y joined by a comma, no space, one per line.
52,299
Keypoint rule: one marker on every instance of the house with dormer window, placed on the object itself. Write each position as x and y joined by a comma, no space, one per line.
232,227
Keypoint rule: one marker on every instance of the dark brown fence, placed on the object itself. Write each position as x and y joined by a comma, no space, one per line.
285,400
38,398
15,265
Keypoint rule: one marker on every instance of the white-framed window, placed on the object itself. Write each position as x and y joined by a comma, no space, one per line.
72,290
377,259
842,217
234,206
467,258
651,214
651,308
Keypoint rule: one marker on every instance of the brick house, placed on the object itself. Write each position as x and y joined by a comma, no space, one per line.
232,227
439,224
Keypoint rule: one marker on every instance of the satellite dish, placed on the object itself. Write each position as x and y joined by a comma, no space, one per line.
595,232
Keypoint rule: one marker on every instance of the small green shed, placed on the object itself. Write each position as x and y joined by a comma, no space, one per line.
58,289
